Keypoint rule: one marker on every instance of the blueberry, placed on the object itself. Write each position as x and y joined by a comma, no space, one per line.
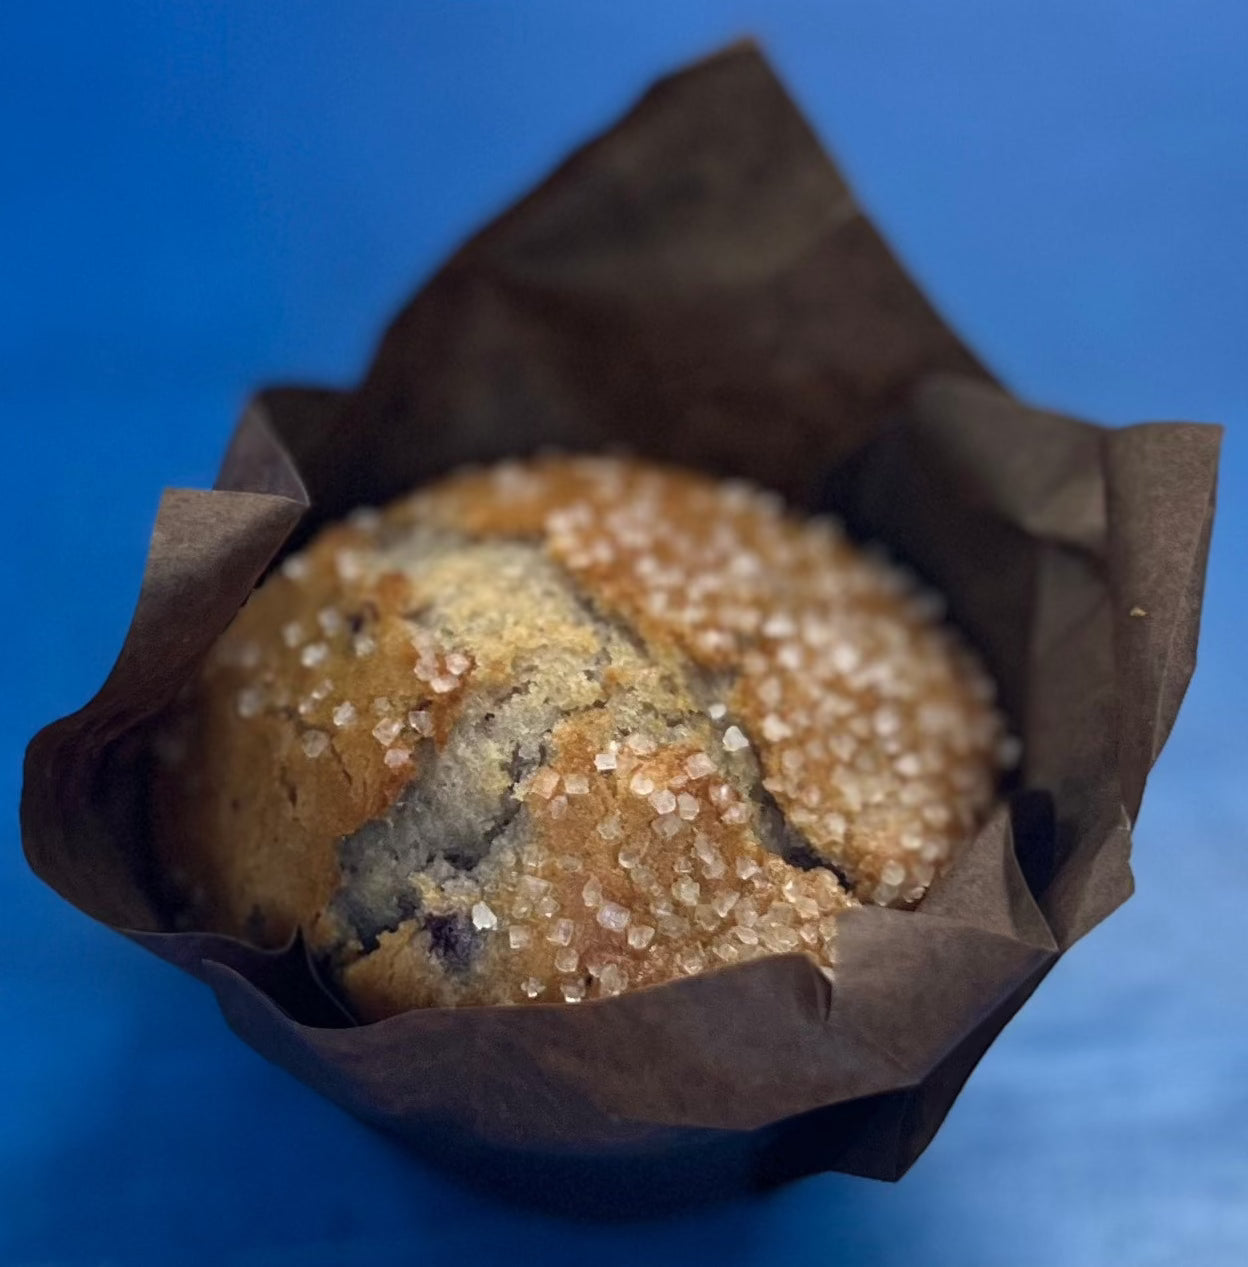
453,939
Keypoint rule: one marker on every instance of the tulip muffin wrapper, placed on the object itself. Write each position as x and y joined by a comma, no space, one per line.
697,285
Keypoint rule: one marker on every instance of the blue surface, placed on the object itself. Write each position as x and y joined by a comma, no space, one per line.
200,198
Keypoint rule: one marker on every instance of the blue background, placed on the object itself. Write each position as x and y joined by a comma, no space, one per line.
196,199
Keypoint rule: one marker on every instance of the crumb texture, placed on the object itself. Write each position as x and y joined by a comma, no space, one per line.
552,730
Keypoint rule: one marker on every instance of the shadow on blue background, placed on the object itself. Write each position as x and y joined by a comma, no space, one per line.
200,198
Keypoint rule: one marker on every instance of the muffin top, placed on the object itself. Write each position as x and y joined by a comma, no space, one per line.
554,729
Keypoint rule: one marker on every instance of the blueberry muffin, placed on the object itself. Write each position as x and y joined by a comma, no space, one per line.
552,730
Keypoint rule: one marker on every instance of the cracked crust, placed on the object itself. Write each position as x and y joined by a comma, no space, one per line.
462,745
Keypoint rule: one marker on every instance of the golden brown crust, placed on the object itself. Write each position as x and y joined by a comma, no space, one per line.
873,725
620,675
608,893
265,769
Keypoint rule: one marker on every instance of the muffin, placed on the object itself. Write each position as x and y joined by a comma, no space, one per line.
552,730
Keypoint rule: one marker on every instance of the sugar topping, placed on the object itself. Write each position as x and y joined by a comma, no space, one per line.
872,722
824,675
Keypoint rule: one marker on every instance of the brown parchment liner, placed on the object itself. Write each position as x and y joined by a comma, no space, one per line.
698,285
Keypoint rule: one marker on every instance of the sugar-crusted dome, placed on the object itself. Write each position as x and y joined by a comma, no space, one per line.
551,730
